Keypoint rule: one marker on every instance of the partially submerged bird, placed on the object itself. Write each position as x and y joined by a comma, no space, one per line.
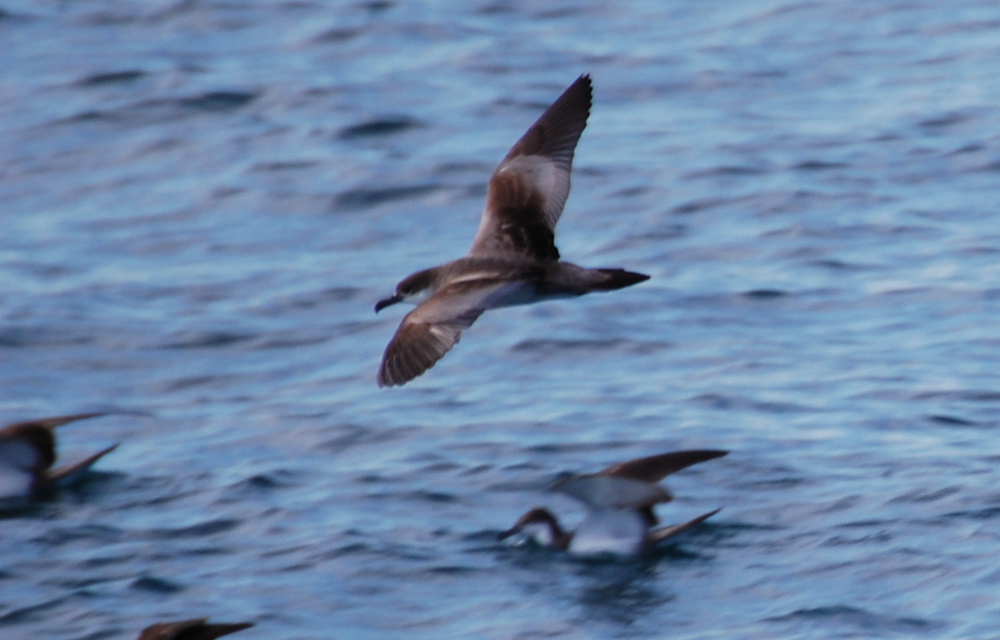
513,259
197,629
619,501
28,451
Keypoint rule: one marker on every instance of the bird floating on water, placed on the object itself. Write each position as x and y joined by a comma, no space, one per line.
28,451
513,259
197,629
619,502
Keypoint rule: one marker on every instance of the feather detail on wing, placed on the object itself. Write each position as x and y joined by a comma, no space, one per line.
428,332
528,189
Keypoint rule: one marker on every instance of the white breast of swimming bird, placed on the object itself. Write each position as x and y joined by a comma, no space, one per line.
16,460
14,483
539,533
617,531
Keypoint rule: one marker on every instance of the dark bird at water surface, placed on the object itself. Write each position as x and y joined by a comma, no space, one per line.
619,502
28,451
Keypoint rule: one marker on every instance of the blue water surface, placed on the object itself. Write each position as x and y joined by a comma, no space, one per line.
202,200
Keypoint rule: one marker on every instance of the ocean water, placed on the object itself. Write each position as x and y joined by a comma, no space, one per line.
201,202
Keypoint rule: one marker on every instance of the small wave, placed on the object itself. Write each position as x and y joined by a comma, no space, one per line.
165,109
952,421
155,585
763,294
367,197
967,396
818,165
378,127
543,347
218,100
113,77
200,530
698,205
732,402
290,165
208,339
942,121
336,35
867,623
727,170
32,612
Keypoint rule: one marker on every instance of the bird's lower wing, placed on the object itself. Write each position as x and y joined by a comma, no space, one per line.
416,347
660,534
69,473
433,328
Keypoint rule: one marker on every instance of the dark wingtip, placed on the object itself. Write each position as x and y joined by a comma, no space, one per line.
387,379
57,421
70,473
196,628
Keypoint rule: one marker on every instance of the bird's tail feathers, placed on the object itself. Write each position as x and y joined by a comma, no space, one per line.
619,279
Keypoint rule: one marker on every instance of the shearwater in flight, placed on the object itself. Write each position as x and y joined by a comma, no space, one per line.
513,260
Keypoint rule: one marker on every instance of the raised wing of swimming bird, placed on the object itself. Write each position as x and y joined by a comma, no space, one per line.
660,534
658,467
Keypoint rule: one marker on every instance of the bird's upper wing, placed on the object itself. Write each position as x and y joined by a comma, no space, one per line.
609,492
528,189
434,327
54,421
655,468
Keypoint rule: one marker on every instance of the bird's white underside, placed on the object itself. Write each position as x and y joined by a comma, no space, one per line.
610,531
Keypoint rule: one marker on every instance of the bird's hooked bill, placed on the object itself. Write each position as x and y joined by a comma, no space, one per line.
382,304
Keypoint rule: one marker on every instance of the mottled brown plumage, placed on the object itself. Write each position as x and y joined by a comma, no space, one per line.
513,259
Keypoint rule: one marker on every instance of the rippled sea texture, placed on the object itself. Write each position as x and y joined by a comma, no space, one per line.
201,202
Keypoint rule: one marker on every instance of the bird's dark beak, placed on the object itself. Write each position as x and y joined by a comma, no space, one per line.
382,304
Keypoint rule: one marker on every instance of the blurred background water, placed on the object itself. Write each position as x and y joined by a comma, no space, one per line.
202,200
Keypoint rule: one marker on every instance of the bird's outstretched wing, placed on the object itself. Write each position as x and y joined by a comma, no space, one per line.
528,189
435,326
660,534
658,467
